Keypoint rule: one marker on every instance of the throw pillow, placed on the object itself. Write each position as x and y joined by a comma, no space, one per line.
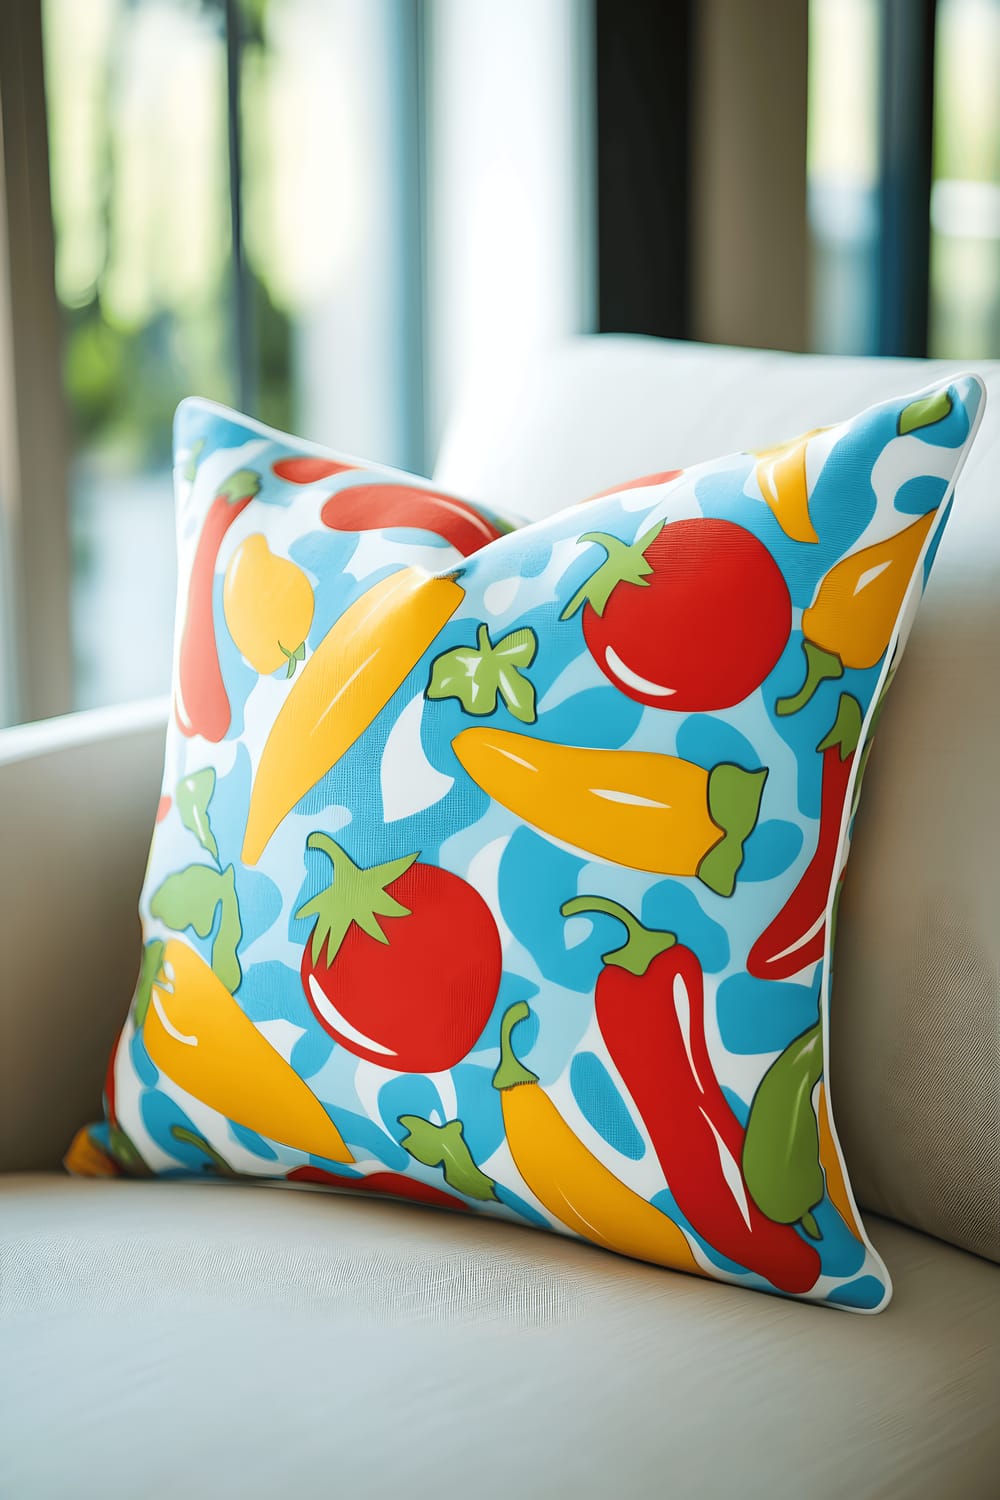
497,868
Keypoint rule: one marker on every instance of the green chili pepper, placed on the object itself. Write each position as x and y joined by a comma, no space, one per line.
781,1147
124,1152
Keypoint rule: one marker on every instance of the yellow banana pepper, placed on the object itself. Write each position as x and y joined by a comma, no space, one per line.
781,475
196,1034
345,684
86,1159
568,1180
268,606
634,808
829,1159
851,620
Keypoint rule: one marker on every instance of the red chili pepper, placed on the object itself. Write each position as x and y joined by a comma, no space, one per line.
650,1009
308,470
636,484
202,705
110,1109
797,935
392,1183
371,507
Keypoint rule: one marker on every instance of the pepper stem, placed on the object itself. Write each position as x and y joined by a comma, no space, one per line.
642,944
845,731
734,796
820,665
812,1229
244,484
292,658
512,1071
625,563
190,1138
152,962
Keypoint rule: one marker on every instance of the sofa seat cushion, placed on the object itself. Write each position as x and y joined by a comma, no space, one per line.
215,1339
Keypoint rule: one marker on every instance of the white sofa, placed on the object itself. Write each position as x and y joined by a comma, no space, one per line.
207,1340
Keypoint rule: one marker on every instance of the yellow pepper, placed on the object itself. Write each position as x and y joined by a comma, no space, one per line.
829,1158
197,1035
851,620
85,1158
781,475
634,808
568,1180
268,606
348,680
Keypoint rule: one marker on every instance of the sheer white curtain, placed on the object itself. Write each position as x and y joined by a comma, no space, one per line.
510,202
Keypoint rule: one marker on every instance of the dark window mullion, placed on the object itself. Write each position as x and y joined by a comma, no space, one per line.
643,58
244,341
907,135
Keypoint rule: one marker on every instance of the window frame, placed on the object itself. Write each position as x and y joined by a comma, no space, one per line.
36,668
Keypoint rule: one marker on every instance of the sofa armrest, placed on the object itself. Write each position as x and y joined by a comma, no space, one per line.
77,801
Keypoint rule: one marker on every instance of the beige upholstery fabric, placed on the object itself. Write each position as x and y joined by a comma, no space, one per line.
77,802
210,1340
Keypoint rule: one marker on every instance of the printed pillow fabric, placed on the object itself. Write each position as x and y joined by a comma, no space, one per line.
496,867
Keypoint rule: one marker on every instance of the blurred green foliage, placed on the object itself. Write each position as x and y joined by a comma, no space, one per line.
141,210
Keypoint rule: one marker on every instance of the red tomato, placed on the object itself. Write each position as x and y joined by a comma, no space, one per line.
308,470
691,617
416,997
393,1184
370,507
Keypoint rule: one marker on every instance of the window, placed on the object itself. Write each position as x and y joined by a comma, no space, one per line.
874,66
230,196
843,173
331,213
965,197
252,200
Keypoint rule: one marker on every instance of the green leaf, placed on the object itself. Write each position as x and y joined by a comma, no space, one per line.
193,795
444,1146
518,648
225,961
190,468
482,675
152,958
191,898
925,412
